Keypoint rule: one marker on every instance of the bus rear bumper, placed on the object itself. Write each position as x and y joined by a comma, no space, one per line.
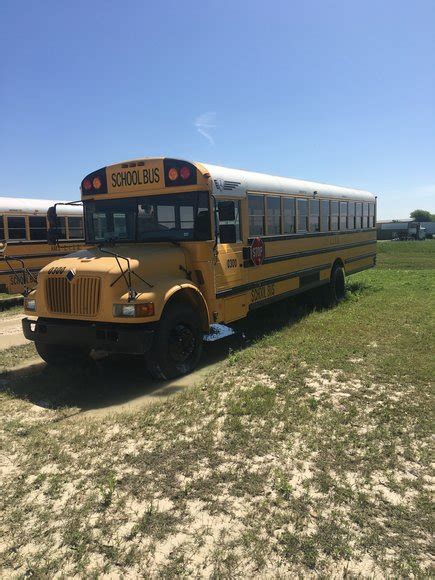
116,338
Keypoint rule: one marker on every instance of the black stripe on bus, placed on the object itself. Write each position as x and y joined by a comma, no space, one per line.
371,255
304,253
296,236
18,271
42,242
272,280
31,256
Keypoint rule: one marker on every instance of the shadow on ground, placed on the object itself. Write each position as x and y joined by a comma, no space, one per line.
120,382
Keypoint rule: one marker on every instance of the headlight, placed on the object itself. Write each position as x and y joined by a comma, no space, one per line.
30,304
133,310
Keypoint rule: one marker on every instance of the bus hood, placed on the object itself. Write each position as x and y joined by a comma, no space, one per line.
151,261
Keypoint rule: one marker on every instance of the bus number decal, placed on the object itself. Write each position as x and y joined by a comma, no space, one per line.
262,292
232,263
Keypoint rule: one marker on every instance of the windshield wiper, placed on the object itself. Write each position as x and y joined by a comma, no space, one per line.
127,275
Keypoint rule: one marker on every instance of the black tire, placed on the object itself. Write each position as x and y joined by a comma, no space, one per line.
335,291
177,344
59,355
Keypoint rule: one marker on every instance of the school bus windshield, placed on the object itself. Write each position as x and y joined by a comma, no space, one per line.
169,217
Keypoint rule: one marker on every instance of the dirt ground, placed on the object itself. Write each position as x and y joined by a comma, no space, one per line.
114,384
11,333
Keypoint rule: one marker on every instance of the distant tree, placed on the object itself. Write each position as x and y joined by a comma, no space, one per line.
421,215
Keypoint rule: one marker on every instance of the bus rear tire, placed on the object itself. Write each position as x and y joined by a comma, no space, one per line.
177,344
59,355
335,291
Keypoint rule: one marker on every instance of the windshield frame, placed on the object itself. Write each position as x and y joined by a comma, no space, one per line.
125,203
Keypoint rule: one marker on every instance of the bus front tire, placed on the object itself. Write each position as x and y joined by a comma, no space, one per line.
177,344
59,355
335,291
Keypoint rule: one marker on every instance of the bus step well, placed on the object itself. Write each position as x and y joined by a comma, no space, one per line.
218,331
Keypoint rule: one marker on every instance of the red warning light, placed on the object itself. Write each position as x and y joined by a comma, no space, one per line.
184,172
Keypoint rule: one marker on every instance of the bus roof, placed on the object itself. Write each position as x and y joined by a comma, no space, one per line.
126,178
238,182
26,206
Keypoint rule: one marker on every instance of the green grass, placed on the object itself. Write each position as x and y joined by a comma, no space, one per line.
308,452
405,256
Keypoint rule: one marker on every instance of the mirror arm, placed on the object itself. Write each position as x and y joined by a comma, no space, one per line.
216,225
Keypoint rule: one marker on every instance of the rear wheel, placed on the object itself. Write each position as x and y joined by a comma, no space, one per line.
177,344
60,355
335,291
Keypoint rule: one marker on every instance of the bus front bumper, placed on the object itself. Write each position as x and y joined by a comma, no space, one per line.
117,338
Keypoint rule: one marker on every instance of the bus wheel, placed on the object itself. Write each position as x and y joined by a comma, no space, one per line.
59,355
335,291
177,344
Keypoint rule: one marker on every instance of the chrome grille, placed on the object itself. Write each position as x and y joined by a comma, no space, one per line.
80,297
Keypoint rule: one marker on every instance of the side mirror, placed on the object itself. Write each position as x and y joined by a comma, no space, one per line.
53,230
227,212
227,234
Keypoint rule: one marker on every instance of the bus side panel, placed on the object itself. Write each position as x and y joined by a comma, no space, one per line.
295,265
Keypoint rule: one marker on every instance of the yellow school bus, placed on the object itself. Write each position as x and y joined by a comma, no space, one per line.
180,246
23,239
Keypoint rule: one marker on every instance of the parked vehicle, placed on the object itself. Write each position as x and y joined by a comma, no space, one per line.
24,249
178,246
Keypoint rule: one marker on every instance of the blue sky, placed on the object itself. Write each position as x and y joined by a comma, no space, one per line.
341,91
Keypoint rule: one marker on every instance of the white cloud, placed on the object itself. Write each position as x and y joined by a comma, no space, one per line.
204,123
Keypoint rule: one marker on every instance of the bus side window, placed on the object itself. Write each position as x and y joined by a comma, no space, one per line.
358,214
343,215
229,222
351,216
334,216
365,215
324,215
2,228
273,204
315,215
371,215
75,228
256,215
62,227
302,205
38,227
289,211
17,228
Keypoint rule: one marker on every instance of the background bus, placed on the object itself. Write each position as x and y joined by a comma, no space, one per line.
23,236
